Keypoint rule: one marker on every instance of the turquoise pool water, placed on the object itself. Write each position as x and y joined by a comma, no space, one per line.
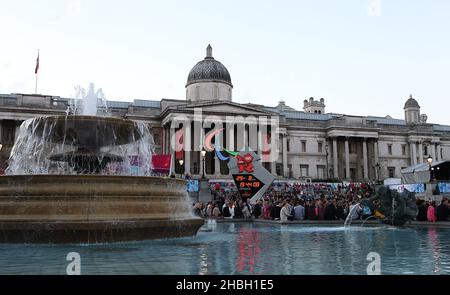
248,248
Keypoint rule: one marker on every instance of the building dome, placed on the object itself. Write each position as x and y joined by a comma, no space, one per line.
209,70
411,103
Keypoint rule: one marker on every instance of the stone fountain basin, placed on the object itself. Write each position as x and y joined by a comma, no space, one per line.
90,132
93,209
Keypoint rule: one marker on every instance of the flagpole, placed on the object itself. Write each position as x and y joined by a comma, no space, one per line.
36,73
35,87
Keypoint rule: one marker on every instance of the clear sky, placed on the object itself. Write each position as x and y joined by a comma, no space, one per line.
363,56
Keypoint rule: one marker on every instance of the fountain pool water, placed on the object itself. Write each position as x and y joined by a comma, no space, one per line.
224,248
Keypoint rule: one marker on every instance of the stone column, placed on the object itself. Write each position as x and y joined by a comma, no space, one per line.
16,134
273,168
377,159
335,158
420,153
347,159
163,141
230,142
329,158
438,152
414,153
187,148
216,165
285,164
366,164
432,150
172,146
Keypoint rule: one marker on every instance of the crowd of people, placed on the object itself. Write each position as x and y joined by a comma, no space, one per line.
430,211
308,201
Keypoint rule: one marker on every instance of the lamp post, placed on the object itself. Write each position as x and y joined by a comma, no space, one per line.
378,167
430,161
181,161
203,154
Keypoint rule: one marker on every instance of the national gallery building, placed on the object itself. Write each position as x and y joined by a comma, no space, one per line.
311,143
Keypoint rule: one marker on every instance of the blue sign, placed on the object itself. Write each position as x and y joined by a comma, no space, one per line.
192,186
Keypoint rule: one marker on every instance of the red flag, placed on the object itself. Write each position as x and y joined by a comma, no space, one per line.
37,65
161,163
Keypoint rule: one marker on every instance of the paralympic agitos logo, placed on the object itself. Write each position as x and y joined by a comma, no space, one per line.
225,136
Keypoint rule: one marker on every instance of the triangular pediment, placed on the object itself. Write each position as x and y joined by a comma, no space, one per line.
225,108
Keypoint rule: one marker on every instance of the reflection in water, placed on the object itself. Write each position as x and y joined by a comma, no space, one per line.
434,239
203,260
249,250
246,248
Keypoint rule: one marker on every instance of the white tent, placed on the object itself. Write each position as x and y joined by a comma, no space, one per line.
419,173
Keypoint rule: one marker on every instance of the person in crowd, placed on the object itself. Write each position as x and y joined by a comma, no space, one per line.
198,210
299,211
431,212
267,208
209,208
257,209
228,210
320,210
422,207
237,210
443,211
275,210
310,210
216,211
340,210
284,212
330,210
246,210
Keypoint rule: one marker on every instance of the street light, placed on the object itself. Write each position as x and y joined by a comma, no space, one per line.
181,161
430,161
203,154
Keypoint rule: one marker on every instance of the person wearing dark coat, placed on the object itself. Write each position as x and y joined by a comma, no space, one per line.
257,209
275,211
422,211
442,211
310,210
330,211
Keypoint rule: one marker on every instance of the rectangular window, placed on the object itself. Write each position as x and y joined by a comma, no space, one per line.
279,168
404,149
288,145
390,149
304,170
321,172
196,168
303,146
391,172
320,147
290,171
425,150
